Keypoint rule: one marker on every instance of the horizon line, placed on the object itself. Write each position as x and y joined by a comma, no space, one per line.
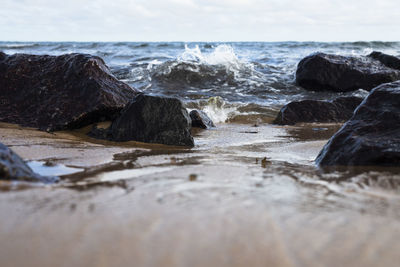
180,41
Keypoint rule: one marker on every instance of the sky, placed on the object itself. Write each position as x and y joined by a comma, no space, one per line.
199,20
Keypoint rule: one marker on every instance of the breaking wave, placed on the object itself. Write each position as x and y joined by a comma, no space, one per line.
221,111
194,68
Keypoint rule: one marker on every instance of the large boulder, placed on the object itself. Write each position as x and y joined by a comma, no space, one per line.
320,72
12,167
387,60
372,135
153,119
337,110
200,119
59,92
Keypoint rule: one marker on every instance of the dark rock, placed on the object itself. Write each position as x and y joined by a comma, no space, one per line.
200,119
12,167
153,119
387,60
59,92
100,133
322,72
372,135
338,110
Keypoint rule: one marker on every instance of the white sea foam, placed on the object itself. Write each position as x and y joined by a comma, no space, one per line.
152,63
218,110
222,55
18,45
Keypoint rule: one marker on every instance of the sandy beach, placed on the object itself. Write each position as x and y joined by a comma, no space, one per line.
219,204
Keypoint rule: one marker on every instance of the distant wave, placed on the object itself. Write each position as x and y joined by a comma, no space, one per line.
18,45
376,44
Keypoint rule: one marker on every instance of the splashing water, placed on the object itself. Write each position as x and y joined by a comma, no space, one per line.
218,69
217,109
222,55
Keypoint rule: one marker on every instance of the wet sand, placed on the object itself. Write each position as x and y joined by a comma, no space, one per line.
244,196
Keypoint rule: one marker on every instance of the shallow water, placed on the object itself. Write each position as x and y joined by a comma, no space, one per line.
46,169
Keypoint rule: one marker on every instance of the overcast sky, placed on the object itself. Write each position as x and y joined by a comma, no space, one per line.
199,20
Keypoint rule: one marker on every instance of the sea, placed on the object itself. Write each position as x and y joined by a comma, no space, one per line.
245,82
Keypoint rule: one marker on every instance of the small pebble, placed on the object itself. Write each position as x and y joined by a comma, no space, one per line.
264,162
49,163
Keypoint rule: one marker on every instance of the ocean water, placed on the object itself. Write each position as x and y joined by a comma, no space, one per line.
242,81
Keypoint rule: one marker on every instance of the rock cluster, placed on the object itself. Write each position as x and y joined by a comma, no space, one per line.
372,135
71,91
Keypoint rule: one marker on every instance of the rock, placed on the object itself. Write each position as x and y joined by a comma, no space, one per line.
153,119
372,135
12,167
323,72
338,110
100,133
59,92
387,60
200,119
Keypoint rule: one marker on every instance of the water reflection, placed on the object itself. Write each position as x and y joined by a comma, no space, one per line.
45,168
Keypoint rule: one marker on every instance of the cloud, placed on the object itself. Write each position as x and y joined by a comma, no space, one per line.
187,3
194,20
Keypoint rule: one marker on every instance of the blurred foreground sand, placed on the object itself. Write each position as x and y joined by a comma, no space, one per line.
215,205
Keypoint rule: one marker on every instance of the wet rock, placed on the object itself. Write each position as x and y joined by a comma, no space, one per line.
372,135
338,110
387,60
59,92
100,133
12,167
153,119
323,72
200,119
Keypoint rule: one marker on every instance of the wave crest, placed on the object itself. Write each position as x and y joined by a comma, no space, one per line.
195,68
